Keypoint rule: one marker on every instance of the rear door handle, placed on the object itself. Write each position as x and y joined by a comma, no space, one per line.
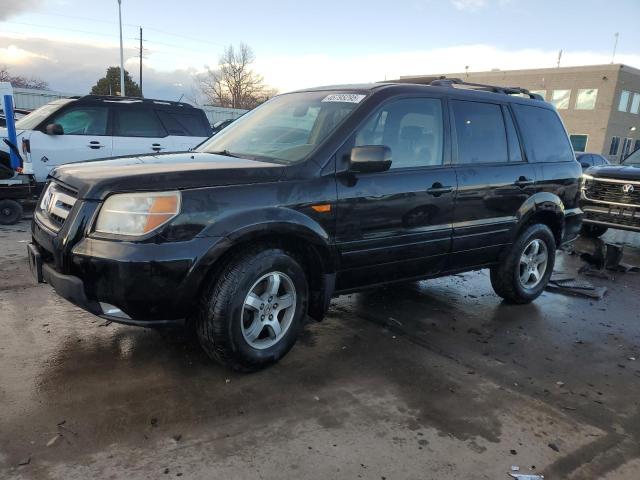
95,144
156,147
438,189
523,182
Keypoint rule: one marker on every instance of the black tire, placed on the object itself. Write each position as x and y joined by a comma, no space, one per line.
10,212
219,318
505,277
592,231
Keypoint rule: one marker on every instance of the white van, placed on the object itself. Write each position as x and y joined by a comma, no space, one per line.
85,128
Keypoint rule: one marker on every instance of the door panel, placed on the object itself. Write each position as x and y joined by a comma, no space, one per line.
138,130
493,181
85,138
397,224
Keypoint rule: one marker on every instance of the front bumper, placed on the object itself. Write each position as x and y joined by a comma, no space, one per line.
144,284
612,216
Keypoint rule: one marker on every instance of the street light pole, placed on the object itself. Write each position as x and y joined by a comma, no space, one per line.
122,91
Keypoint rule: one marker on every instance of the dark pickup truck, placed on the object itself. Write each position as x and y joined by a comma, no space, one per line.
611,197
314,194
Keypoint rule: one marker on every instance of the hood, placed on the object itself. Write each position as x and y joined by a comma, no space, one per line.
616,172
169,171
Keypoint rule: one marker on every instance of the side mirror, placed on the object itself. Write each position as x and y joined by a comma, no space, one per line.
370,159
584,165
54,129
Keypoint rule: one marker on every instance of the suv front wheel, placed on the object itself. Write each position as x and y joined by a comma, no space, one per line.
251,313
526,267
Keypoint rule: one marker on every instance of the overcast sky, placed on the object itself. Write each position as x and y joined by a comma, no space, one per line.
298,44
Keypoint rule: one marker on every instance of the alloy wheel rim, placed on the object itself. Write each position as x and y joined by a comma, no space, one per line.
533,263
268,310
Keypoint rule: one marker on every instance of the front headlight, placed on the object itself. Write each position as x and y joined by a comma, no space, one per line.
137,214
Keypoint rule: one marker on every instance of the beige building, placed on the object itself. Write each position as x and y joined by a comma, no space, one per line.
599,104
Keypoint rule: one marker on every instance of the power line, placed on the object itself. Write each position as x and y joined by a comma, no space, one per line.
187,37
110,35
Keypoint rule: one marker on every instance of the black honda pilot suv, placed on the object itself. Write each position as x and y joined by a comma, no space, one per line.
314,194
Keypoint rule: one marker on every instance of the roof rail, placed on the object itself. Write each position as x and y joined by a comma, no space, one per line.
450,82
118,99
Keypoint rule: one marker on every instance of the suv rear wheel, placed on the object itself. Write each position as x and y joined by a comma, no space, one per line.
525,268
252,312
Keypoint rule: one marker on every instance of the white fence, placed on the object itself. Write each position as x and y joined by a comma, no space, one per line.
30,99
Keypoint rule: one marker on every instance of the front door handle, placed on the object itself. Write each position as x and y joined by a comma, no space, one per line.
156,147
95,144
523,182
438,189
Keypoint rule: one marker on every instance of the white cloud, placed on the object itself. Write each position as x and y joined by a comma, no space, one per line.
74,67
292,72
468,4
15,55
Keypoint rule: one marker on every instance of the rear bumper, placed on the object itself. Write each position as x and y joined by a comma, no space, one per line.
573,219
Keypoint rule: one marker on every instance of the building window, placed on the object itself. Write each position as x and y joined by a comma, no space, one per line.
635,103
579,142
560,99
542,93
615,144
586,99
636,146
626,148
624,101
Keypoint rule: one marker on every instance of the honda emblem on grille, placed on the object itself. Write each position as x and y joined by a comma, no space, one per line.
628,188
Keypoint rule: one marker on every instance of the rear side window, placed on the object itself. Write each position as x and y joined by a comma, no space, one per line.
544,137
184,124
480,132
137,122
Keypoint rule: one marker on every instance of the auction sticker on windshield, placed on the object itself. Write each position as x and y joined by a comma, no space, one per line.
344,97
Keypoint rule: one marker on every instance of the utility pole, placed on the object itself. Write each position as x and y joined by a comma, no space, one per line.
122,90
141,94
615,46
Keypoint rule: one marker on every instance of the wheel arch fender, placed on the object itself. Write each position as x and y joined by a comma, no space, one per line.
543,207
292,228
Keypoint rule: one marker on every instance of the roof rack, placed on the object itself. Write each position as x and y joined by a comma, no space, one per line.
450,82
118,99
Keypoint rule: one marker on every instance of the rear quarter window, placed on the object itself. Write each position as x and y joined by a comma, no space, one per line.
185,124
545,139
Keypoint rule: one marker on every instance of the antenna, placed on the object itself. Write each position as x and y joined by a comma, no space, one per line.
559,57
615,46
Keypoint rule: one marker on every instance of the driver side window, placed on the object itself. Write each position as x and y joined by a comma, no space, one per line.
411,128
87,120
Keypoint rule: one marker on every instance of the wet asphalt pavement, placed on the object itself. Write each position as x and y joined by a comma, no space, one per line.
429,380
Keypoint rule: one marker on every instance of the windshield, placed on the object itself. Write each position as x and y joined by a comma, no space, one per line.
633,159
34,119
286,128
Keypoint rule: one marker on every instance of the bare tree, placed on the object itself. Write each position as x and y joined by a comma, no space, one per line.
233,83
18,81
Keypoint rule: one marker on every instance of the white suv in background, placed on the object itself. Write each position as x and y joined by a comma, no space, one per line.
85,128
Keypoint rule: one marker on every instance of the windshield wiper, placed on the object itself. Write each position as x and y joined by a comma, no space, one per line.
226,153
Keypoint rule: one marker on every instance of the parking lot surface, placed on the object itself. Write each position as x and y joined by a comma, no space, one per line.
427,380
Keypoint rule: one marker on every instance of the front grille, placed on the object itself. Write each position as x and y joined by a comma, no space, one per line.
627,217
56,204
612,192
